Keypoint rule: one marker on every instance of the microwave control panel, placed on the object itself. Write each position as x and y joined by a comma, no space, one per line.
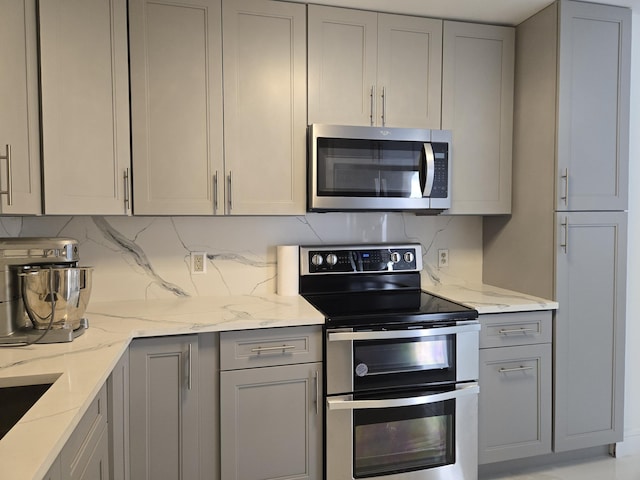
441,170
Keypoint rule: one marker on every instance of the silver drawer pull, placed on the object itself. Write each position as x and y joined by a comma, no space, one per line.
515,369
522,331
284,348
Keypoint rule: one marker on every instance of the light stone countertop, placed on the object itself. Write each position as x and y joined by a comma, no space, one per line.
81,367
489,299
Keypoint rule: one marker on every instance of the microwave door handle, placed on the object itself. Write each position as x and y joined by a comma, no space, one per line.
430,162
345,402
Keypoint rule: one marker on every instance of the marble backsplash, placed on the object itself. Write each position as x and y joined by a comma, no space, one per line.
148,257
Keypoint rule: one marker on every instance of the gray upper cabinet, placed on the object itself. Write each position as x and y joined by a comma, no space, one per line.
176,106
593,107
265,108
84,76
368,68
19,109
477,105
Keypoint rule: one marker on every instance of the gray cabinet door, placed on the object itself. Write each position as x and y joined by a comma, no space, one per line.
19,116
176,106
272,423
84,85
515,402
593,106
163,421
589,329
477,105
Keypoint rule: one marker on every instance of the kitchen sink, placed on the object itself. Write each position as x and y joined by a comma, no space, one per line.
18,395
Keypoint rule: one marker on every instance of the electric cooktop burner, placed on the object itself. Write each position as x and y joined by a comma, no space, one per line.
372,285
387,307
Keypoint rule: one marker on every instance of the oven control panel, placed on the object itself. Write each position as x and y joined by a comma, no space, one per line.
360,259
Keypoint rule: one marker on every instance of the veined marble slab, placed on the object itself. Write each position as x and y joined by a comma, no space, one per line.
490,299
82,366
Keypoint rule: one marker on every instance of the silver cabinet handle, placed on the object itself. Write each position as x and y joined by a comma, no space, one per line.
127,205
565,176
275,348
384,105
391,334
372,100
515,369
9,191
230,203
189,369
316,377
430,169
521,331
215,192
346,402
565,225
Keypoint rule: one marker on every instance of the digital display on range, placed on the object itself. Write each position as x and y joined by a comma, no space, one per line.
345,261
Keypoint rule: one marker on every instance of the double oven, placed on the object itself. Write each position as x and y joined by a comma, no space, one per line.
401,366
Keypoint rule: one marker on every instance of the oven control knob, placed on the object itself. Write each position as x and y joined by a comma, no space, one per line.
395,257
316,259
408,257
332,259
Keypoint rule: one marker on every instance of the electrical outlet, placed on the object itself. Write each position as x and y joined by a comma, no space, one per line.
443,257
198,262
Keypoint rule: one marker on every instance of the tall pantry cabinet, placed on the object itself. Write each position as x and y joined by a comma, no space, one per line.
566,237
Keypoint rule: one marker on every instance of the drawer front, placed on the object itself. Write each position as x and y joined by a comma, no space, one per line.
270,347
512,329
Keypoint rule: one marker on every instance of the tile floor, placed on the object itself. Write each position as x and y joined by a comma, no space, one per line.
601,468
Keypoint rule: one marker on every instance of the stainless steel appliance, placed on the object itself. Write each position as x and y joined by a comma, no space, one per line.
378,168
401,366
43,291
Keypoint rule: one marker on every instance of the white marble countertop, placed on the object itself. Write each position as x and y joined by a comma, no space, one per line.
81,367
489,299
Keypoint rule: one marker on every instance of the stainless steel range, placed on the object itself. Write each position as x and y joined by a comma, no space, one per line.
401,366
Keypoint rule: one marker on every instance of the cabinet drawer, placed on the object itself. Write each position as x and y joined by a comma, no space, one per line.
87,434
269,347
511,329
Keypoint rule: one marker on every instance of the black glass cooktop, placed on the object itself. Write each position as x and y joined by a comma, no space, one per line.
387,307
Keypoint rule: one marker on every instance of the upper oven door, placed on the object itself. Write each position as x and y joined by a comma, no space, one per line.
370,168
359,361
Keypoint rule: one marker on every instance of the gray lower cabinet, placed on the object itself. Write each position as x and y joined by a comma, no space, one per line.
515,386
118,411
172,407
270,393
85,456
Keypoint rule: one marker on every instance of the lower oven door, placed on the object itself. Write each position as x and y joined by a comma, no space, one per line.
425,435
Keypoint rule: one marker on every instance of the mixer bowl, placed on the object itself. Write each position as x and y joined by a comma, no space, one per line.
68,287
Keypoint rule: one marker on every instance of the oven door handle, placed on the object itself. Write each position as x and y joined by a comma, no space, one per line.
345,402
413,333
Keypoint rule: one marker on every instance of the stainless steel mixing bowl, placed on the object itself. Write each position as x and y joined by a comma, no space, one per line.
69,288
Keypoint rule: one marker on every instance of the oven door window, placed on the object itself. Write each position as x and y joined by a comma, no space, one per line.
403,439
370,168
403,362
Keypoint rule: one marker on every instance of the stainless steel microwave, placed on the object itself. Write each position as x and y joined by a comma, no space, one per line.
376,168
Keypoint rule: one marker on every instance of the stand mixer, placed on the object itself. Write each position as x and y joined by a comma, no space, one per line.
43,291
